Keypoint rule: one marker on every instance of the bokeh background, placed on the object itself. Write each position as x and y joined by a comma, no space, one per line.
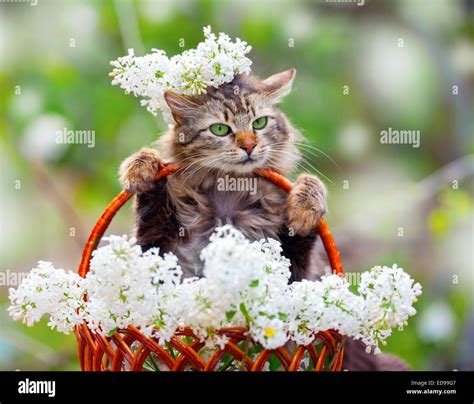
362,68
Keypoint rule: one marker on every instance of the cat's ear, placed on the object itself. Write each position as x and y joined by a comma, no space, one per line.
279,85
181,106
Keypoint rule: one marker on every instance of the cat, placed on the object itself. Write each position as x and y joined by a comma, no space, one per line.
180,213
228,131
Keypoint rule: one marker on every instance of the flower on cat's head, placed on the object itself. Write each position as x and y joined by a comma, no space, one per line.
215,61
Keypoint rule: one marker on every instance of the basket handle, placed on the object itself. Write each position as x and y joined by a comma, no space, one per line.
114,206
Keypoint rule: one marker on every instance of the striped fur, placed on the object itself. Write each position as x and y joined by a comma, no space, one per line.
180,213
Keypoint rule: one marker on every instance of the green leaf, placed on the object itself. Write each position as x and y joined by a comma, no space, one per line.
254,283
230,314
122,297
274,363
244,311
282,316
226,361
151,364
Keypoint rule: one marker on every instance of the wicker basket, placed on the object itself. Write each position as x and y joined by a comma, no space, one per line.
129,349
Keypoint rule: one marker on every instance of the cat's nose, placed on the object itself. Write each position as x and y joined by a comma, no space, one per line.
249,148
247,141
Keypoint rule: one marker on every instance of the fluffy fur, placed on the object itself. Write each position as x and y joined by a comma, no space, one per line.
180,213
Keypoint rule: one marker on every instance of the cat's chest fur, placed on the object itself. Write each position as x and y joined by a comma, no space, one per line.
258,212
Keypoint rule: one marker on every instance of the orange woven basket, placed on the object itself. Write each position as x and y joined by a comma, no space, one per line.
129,349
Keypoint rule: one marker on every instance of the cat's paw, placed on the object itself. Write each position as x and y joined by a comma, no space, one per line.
307,203
138,171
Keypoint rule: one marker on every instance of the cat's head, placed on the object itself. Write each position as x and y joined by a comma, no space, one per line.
236,127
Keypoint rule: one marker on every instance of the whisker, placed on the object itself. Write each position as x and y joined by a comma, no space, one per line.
320,151
304,161
311,150
205,158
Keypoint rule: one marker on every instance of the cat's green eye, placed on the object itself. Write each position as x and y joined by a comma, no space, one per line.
219,129
260,123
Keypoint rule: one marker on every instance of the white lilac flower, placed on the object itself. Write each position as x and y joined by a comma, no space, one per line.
52,291
215,61
245,284
128,287
389,294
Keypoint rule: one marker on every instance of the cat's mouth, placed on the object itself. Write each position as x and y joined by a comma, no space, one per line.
248,164
249,160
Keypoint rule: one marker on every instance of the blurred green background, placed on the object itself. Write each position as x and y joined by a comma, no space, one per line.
362,68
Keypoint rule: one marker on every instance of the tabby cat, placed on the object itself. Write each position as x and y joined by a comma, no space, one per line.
229,131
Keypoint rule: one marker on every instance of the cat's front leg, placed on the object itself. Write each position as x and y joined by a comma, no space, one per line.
138,171
307,203
156,221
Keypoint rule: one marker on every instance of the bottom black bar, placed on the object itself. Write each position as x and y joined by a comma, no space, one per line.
167,387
